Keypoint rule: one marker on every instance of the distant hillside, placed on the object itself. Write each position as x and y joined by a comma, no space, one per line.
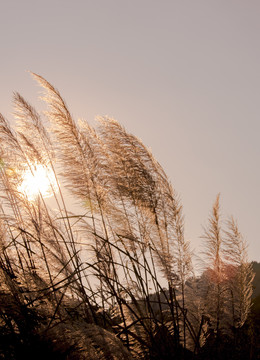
256,282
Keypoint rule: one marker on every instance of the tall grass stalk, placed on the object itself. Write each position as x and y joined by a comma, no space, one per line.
124,264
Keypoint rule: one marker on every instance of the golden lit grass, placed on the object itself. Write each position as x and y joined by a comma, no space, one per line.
123,264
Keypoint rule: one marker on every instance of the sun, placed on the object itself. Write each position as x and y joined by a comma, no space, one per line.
37,180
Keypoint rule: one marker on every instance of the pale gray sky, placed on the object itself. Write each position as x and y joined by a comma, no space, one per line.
181,75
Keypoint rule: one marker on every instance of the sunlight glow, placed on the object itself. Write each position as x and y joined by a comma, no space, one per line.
38,180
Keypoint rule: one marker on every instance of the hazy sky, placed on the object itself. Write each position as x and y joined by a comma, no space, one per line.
181,75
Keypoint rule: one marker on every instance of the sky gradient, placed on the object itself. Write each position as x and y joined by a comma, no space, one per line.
181,75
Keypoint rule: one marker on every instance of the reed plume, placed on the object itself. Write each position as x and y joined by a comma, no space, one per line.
115,279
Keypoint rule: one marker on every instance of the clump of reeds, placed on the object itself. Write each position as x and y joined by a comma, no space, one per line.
122,262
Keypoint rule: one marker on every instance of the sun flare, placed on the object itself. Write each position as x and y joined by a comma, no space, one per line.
38,180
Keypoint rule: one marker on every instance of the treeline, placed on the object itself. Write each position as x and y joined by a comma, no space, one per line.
115,281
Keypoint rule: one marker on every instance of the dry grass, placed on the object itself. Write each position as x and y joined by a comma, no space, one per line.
122,265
